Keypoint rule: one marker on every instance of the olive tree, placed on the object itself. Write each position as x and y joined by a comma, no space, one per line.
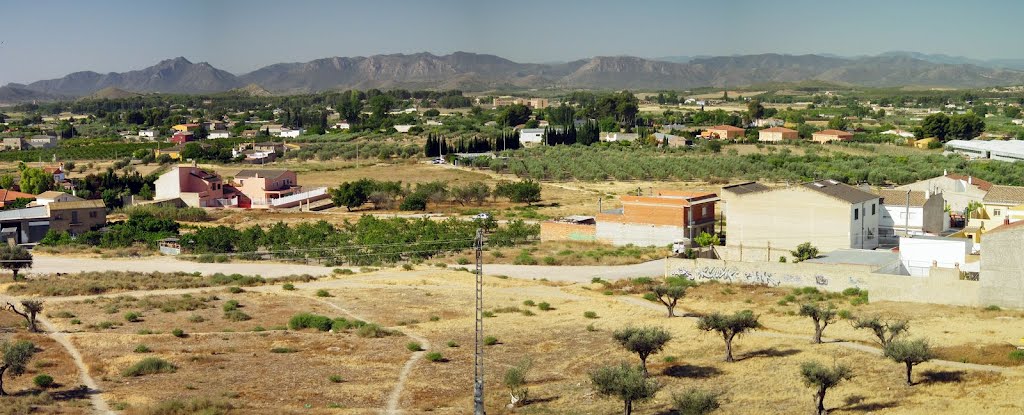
822,316
31,309
729,326
626,382
644,341
910,353
15,258
15,358
823,378
669,295
885,330
515,381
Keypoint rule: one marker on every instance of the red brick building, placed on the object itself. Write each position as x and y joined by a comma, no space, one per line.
661,219
182,137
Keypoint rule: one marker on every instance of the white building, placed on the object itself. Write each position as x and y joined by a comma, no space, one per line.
619,137
403,128
1009,150
51,196
342,125
531,135
924,214
920,253
288,132
148,133
219,134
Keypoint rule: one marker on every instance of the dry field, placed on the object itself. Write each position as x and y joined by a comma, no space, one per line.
64,397
232,360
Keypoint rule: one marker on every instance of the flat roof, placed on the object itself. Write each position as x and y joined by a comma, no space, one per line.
1013,147
876,258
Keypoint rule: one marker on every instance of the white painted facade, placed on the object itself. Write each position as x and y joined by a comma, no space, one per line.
531,135
920,253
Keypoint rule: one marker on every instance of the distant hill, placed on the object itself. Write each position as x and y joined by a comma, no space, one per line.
476,72
111,93
252,90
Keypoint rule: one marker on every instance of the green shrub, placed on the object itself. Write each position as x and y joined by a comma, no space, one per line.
529,303
1017,355
142,349
550,260
488,314
43,381
435,318
322,293
462,261
490,340
407,267
435,357
589,314
75,321
132,317
230,305
335,379
544,306
236,315
179,333
373,330
528,313
235,290
284,350
149,366
64,314
845,314
993,308
590,327
414,346
310,321
695,402
343,271
341,324
650,297
196,318
288,287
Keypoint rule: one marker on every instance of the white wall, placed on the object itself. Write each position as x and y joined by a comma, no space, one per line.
168,185
531,138
618,233
918,254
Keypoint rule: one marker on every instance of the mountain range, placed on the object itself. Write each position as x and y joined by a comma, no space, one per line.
480,72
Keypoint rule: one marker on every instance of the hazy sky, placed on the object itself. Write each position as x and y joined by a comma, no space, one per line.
44,39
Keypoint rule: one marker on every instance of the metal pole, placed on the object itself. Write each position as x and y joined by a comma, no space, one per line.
478,355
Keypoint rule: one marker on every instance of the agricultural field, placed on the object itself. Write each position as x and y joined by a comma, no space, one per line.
238,350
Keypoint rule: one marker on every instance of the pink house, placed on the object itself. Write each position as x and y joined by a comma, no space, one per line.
258,187
195,186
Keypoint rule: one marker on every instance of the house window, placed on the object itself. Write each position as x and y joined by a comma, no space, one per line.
92,214
872,209
74,217
996,212
856,214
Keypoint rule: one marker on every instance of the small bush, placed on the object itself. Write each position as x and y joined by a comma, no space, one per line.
544,306
528,313
650,297
310,321
76,321
288,287
106,325
414,346
1017,355
236,315
488,314
179,333
435,318
195,318
407,267
142,349
322,293
452,343
462,261
435,357
284,350
235,290
590,327
43,381
589,314
64,314
669,359
782,259
993,308
550,260
695,402
230,305
529,303
373,330
490,341
149,366
335,379
132,317
343,271
845,314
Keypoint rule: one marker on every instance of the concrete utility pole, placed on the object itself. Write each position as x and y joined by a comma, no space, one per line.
906,220
478,354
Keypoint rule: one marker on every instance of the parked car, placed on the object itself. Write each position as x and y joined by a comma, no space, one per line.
482,216
438,161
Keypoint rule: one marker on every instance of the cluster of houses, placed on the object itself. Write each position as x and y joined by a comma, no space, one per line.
30,143
939,222
774,134
193,186
50,210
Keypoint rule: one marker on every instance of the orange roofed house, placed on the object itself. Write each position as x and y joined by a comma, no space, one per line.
826,136
777,134
724,132
662,219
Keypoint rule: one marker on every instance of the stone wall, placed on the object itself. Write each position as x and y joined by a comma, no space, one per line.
1002,267
941,286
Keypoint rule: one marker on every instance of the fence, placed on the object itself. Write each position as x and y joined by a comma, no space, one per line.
295,199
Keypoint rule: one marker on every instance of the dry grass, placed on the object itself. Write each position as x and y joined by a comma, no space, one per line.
64,397
93,283
565,253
